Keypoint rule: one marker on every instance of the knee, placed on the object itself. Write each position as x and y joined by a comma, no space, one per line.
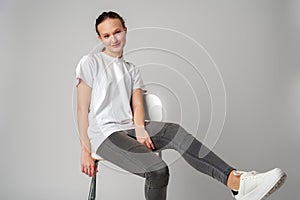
176,130
173,128
172,125
158,178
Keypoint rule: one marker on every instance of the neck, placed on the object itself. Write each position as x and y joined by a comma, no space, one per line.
115,55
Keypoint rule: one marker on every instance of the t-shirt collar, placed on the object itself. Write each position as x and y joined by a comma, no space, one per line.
112,59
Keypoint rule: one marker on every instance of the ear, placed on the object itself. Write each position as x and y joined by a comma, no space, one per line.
99,37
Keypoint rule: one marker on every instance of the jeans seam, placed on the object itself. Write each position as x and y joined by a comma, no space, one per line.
137,162
169,141
224,175
206,162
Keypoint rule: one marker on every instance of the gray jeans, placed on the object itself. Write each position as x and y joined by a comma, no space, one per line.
122,149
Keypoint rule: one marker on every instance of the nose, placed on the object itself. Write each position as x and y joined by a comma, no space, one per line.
113,38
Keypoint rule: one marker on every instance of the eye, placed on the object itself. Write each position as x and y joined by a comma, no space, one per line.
117,32
106,36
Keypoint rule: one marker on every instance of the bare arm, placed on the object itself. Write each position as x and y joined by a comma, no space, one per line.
83,102
138,108
139,119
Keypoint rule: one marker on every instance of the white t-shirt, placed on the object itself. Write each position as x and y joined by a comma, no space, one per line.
113,81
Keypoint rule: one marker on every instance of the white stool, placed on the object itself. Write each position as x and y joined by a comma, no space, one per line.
153,111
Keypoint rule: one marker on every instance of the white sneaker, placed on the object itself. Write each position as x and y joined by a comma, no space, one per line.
258,186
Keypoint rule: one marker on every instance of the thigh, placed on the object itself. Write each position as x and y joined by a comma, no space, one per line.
159,133
129,154
163,134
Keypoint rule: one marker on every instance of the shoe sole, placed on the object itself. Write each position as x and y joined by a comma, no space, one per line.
276,185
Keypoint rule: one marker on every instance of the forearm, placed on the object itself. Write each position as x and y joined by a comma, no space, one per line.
139,116
82,128
140,131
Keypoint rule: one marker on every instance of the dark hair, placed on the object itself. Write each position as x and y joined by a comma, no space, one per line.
106,15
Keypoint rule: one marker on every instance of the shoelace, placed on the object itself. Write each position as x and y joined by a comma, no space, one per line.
246,174
238,173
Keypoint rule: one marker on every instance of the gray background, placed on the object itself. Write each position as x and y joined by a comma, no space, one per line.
255,45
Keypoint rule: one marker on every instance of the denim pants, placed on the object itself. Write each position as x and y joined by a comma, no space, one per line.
122,149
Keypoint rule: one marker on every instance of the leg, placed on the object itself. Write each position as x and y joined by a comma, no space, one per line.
247,185
127,153
173,136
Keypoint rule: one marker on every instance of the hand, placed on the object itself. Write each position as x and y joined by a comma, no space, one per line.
143,137
88,165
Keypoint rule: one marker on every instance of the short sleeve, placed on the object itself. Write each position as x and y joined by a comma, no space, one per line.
137,79
84,71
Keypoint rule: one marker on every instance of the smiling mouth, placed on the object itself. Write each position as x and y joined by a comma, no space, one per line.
115,45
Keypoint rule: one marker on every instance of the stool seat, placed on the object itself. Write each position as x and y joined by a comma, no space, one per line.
97,157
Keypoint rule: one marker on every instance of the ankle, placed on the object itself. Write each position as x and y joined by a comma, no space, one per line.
233,181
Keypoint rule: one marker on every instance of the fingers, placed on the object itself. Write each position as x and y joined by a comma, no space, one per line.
149,144
89,169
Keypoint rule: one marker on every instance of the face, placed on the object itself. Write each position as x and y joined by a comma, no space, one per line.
113,36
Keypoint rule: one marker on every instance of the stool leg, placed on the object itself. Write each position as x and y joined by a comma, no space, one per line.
92,193
160,154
